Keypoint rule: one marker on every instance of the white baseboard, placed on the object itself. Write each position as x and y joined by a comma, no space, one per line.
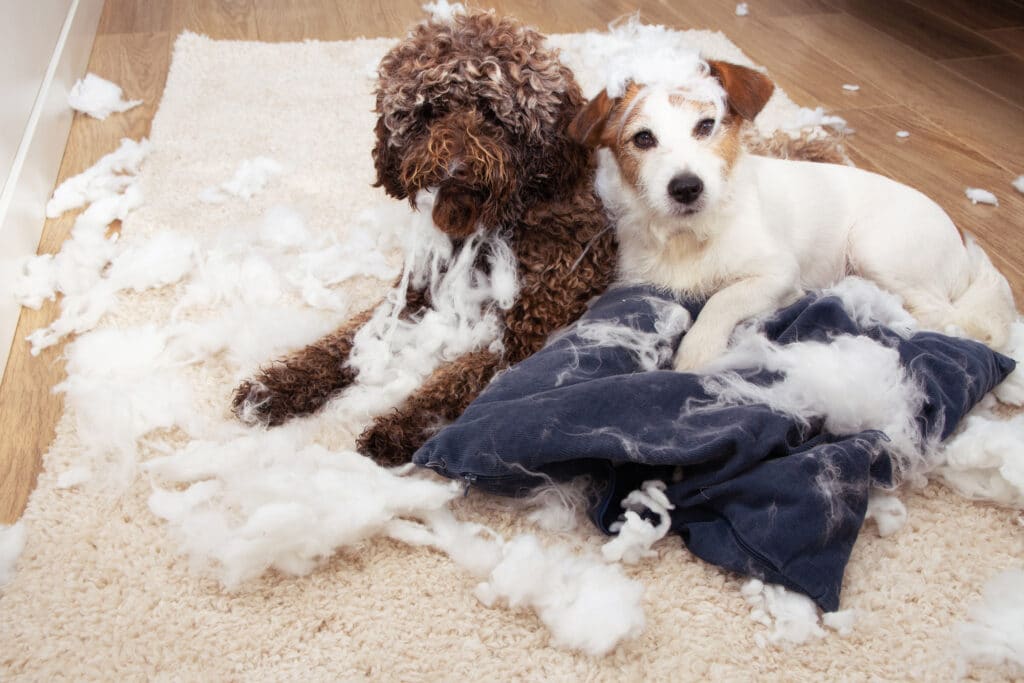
38,159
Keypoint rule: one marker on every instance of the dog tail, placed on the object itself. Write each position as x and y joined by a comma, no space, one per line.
985,310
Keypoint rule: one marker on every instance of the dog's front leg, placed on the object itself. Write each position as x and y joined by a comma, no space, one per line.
302,382
394,437
709,336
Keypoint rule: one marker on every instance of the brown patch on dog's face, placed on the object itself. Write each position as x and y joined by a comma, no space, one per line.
602,123
727,144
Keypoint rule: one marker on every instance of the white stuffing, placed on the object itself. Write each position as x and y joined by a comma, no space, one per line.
393,355
903,134
636,535
870,305
239,501
80,270
112,175
980,196
994,634
587,604
442,10
98,97
12,542
851,87
792,616
984,460
651,350
840,621
852,382
887,511
251,176
558,506
1018,184
665,61
742,9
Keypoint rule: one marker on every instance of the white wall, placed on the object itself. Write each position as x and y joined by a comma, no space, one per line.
29,32
46,49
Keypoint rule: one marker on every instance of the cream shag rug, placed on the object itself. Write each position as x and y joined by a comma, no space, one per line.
103,591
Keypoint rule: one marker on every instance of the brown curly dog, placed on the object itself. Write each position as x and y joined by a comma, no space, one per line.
478,108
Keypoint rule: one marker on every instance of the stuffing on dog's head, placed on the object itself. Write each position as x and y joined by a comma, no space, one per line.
675,145
476,106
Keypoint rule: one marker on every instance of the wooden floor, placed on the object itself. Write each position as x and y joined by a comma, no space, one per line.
951,72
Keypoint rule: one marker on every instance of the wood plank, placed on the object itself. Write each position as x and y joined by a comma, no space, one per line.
943,167
931,34
963,109
291,20
977,14
135,16
807,75
28,410
1002,75
1011,39
221,20
380,19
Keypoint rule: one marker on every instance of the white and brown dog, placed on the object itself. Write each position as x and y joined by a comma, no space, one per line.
698,215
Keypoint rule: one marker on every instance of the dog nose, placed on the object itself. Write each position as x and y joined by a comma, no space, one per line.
685,188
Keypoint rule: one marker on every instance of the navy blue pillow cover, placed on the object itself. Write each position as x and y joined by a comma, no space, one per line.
741,477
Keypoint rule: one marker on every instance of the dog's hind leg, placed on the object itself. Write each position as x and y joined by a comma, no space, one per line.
394,437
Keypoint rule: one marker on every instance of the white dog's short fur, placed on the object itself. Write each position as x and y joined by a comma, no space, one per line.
751,233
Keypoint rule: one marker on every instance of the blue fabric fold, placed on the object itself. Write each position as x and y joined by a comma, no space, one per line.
755,491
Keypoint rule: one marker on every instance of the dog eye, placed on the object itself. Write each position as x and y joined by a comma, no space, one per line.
644,139
427,111
704,128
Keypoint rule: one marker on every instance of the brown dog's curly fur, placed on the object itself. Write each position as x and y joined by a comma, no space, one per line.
478,108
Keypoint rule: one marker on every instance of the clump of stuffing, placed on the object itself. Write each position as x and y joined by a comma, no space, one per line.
851,87
665,61
80,270
869,305
12,542
853,383
442,10
114,174
251,176
742,9
793,617
1018,184
98,97
887,511
980,196
588,605
985,459
994,634
903,134
636,535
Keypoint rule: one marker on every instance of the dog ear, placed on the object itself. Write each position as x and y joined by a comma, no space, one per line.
387,163
588,126
747,90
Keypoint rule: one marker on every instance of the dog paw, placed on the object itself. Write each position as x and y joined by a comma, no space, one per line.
380,443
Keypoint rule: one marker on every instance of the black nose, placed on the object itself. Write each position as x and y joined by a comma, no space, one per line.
685,188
